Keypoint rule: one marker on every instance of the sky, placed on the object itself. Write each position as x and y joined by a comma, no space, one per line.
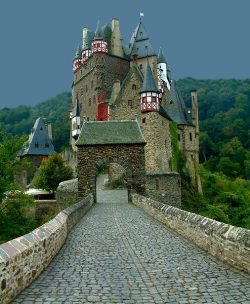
204,39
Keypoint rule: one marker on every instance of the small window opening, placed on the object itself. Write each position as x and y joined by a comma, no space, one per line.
190,136
46,145
130,103
144,120
41,129
90,102
133,87
141,66
36,145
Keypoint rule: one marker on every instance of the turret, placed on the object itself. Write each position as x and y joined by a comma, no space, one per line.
116,42
195,115
149,93
76,120
163,71
99,44
86,50
78,59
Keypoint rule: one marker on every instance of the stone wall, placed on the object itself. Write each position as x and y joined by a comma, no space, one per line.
67,193
165,187
24,258
130,157
228,243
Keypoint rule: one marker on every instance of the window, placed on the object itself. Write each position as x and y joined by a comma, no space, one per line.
146,47
141,66
36,145
133,87
46,145
41,128
140,33
144,120
87,118
171,102
190,136
90,102
130,103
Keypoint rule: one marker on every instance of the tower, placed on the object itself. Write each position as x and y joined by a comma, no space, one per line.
116,42
163,71
86,50
149,93
99,44
78,59
76,120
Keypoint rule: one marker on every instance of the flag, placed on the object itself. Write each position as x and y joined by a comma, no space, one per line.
141,15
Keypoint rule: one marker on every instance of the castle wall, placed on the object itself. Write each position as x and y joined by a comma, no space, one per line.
228,243
24,258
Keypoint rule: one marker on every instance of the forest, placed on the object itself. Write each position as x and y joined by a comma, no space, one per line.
224,111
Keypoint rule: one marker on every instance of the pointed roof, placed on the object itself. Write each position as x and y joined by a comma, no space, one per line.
148,81
176,107
78,54
39,142
76,111
140,43
87,42
98,31
160,57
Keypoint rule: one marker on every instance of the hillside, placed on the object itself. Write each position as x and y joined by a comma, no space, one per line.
20,120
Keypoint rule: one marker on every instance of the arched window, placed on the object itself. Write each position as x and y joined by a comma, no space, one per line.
133,87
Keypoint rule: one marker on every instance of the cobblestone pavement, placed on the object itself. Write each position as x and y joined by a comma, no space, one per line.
118,254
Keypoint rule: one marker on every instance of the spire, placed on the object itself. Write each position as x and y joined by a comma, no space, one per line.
161,58
98,32
78,53
148,81
140,43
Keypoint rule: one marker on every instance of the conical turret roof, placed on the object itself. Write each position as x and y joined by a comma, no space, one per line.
98,31
78,54
161,58
148,81
140,43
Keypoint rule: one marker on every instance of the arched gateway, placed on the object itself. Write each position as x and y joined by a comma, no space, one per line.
101,143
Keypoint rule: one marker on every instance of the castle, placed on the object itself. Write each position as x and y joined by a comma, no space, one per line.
114,81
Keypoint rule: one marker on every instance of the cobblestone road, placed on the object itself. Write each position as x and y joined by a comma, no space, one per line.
118,254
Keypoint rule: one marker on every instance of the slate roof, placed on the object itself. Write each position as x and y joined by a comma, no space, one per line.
140,43
148,81
78,53
161,58
98,31
176,108
76,111
39,142
110,132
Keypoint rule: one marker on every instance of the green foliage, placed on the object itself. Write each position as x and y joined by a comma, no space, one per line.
9,146
224,110
175,147
15,216
20,120
51,172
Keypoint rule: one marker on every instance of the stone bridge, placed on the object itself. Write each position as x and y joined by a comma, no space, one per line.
117,253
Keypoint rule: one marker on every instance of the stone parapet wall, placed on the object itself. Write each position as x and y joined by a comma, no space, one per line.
24,258
67,193
228,243
164,187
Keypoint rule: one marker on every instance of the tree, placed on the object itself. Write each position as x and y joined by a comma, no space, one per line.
9,146
51,172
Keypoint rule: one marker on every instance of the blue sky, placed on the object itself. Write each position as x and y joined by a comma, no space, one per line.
206,39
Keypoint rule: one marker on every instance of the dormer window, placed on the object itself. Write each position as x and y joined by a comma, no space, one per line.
36,145
46,145
41,129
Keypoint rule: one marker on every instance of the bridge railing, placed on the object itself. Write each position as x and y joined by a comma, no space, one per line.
24,258
228,243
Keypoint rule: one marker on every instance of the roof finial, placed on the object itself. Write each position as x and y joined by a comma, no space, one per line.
141,15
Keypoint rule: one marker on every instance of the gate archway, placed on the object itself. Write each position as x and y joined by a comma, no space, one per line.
107,142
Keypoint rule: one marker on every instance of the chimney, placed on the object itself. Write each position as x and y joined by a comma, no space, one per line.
195,115
49,129
116,43
115,90
85,38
